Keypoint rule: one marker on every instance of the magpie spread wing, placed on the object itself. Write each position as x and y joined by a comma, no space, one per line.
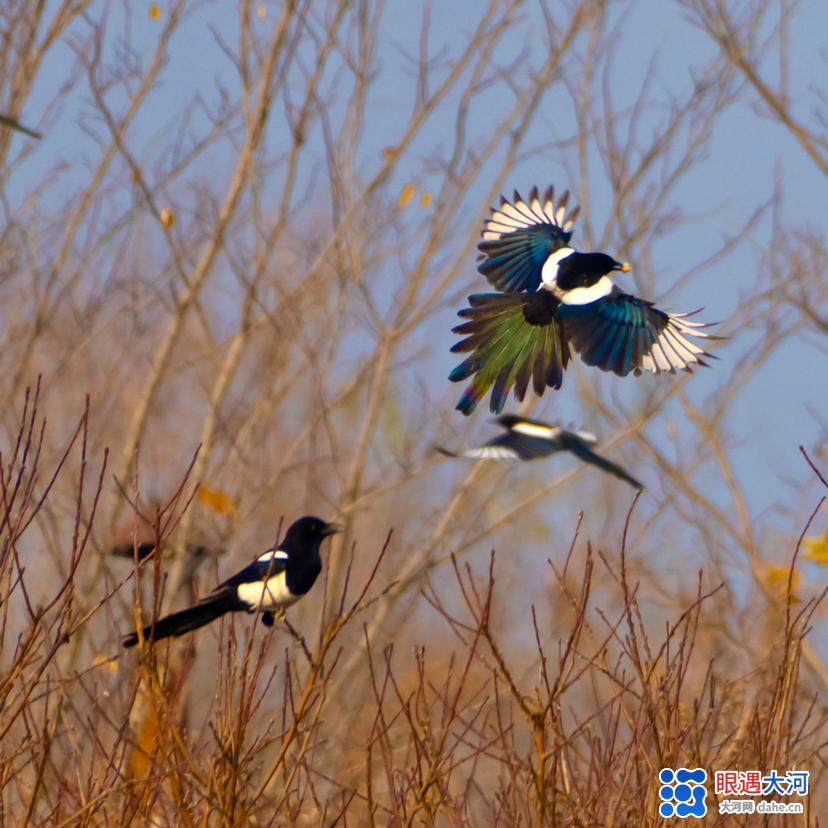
512,339
622,333
571,442
519,236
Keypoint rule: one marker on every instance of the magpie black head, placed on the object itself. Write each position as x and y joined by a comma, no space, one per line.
591,264
586,269
309,531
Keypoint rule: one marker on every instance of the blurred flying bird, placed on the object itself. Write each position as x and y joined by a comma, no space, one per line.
530,439
13,123
278,578
553,298
143,549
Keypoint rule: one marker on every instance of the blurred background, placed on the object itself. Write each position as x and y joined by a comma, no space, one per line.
230,268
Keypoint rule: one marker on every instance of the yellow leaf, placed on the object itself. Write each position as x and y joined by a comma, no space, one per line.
777,577
109,661
406,195
216,500
154,11
425,200
389,153
816,549
167,217
150,735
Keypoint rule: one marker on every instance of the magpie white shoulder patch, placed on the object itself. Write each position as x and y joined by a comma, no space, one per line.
549,272
278,554
545,432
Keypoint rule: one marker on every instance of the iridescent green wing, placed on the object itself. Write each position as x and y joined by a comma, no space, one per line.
512,338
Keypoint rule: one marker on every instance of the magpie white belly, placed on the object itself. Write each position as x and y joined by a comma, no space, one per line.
270,595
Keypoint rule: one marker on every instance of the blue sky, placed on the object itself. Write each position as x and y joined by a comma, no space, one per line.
747,153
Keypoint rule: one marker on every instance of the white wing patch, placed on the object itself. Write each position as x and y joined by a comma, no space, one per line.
545,432
673,350
520,214
278,554
272,594
549,271
492,453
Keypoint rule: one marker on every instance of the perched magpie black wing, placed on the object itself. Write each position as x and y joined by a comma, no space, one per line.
571,442
519,236
514,445
269,564
512,338
622,333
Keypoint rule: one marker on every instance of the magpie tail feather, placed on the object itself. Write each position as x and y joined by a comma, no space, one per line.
186,620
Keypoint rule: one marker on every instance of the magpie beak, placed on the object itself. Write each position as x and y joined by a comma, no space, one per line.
331,529
624,267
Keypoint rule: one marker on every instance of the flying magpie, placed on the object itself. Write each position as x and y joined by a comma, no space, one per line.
13,123
530,439
553,298
143,549
278,578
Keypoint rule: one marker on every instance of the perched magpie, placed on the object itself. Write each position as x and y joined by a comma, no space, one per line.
553,298
276,579
530,439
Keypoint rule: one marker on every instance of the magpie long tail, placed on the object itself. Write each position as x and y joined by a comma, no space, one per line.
188,619
579,448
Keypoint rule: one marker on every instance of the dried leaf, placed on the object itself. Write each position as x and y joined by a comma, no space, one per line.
816,549
167,217
777,578
216,500
406,195
425,200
